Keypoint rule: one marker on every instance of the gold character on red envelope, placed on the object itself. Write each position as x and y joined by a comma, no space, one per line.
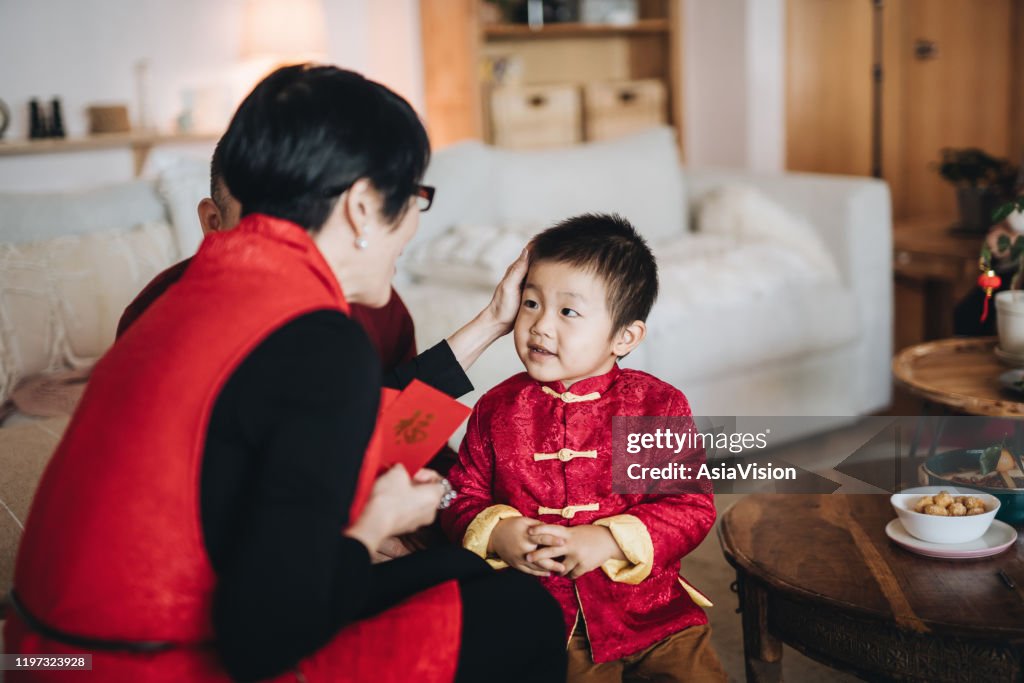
413,429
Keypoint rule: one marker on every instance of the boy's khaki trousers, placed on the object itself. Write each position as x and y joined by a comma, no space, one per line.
683,656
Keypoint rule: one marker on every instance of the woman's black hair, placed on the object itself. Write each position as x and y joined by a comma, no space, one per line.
306,133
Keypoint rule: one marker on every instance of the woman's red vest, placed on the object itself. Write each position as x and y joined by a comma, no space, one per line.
113,546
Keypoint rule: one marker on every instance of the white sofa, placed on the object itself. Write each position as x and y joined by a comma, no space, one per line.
745,325
795,320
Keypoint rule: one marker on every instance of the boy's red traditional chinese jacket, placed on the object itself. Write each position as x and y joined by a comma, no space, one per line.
536,450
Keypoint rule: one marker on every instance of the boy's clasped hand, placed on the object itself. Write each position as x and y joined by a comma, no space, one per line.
541,549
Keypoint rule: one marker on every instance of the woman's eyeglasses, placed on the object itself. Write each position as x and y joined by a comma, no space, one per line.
424,197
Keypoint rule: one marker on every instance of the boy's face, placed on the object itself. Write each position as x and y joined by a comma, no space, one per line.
564,329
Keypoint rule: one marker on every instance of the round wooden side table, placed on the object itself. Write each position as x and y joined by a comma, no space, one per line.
818,573
960,375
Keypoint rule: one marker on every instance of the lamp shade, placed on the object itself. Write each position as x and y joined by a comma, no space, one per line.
284,29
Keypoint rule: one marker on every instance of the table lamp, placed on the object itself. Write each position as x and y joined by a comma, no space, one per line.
285,31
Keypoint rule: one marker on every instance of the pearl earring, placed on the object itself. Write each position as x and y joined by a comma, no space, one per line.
361,242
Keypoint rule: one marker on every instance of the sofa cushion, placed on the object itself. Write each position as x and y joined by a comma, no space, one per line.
182,182
30,217
60,299
736,308
463,177
748,216
636,176
468,255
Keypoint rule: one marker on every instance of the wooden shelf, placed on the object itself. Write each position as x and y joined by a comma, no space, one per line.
566,30
458,45
139,143
97,142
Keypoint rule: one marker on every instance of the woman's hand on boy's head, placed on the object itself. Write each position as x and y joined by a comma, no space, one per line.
504,304
583,548
510,542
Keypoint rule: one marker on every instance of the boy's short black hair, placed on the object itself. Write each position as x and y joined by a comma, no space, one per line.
306,133
608,245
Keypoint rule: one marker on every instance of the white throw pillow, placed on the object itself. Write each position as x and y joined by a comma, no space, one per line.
60,299
182,183
747,216
637,176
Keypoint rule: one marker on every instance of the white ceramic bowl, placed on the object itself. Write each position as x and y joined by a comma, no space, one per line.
937,529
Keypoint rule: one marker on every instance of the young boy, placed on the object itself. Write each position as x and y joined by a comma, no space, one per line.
534,471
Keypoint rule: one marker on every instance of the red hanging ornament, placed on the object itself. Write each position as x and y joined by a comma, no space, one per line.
988,281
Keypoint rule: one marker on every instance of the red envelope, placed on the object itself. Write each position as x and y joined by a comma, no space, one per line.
417,424
411,427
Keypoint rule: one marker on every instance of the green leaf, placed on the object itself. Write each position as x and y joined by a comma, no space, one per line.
1003,211
989,459
1003,242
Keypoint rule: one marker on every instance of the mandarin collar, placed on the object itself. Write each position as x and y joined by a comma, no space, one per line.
598,383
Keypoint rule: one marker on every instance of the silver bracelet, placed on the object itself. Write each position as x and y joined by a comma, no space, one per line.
448,496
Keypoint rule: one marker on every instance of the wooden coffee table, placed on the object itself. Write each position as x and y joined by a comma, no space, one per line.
960,375
818,573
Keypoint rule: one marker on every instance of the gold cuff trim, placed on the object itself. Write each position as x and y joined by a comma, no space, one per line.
635,543
478,533
570,397
565,455
698,598
569,511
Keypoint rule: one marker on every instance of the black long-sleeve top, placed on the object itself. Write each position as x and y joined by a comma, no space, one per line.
283,451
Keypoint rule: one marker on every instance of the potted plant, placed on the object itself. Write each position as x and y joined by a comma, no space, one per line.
1010,302
982,183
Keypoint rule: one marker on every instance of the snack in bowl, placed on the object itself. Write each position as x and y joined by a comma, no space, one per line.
945,515
945,505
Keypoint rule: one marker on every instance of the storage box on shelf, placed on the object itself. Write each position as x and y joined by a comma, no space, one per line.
535,116
612,109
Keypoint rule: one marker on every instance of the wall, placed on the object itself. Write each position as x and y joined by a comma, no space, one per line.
734,94
84,51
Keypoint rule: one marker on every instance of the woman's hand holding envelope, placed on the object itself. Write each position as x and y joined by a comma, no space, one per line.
398,504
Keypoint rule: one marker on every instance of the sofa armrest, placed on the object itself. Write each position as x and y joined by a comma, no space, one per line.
853,216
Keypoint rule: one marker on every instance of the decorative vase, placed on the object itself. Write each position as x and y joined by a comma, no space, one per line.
1010,320
1016,221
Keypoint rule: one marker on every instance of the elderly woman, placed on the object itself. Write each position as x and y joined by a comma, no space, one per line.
198,521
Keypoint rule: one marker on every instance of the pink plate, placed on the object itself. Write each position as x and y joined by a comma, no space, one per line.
998,538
